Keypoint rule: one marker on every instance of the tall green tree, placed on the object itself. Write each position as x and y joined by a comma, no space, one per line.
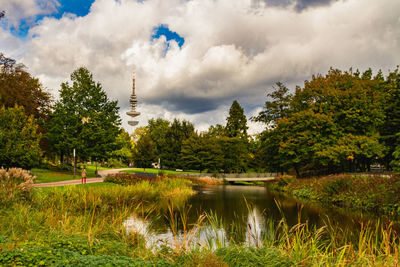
84,118
157,130
123,141
391,126
176,134
144,153
276,107
236,122
19,139
192,153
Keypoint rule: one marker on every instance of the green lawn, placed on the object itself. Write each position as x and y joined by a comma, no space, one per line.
47,176
150,170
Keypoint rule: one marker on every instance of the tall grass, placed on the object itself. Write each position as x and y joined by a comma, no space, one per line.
90,221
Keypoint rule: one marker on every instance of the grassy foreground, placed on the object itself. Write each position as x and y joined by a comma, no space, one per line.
83,226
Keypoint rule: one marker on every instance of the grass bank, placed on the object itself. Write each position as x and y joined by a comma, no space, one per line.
56,175
377,194
162,171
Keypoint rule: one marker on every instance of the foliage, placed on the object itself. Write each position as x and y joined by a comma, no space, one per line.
18,87
277,108
19,139
130,178
330,125
84,118
174,138
46,256
123,141
144,153
240,256
236,122
15,185
157,130
390,129
378,194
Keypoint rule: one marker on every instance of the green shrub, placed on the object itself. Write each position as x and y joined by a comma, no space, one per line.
243,256
15,184
131,178
47,256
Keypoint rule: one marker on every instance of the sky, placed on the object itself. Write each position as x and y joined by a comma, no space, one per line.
193,58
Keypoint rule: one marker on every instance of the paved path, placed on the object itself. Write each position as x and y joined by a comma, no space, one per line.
102,173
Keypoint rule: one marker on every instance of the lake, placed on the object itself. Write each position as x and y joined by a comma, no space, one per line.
234,213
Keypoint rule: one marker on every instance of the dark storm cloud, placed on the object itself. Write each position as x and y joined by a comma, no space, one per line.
189,105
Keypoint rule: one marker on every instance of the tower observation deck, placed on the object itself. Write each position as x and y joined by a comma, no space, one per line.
133,100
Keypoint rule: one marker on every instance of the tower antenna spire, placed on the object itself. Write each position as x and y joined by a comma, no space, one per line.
133,100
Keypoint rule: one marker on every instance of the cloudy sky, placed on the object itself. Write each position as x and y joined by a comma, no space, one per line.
192,58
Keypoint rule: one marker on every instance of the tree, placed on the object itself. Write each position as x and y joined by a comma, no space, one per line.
19,139
216,131
277,108
174,137
18,87
192,151
235,154
236,122
123,141
144,153
391,125
157,129
84,118
330,125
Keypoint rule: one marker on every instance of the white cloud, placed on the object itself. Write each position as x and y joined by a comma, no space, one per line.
231,51
17,10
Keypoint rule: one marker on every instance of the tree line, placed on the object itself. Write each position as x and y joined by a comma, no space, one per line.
178,145
344,121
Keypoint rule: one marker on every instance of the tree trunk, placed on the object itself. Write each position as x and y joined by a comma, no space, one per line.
297,171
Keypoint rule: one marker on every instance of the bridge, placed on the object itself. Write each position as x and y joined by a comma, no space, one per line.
250,179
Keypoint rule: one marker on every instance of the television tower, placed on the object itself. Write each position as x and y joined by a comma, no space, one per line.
133,100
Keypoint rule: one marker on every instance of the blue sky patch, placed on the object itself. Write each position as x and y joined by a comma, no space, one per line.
169,35
79,8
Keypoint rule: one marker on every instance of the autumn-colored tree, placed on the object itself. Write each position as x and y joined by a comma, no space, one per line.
18,87
330,125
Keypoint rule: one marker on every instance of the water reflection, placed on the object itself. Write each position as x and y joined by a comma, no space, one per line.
204,236
234,213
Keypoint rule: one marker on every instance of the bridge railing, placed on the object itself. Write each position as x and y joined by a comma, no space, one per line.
235,175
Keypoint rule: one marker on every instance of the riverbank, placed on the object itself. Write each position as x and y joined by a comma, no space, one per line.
376,194
84,225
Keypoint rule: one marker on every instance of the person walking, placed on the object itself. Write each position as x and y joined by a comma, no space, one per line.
83,174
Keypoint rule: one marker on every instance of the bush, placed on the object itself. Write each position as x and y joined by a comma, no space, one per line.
131,178
15,184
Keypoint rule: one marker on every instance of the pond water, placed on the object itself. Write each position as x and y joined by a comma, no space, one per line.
239,213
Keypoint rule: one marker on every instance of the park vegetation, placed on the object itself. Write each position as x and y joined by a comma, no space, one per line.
340,122
84,225
344,121
360,193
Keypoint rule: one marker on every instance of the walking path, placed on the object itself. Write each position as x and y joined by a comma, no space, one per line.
102,173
